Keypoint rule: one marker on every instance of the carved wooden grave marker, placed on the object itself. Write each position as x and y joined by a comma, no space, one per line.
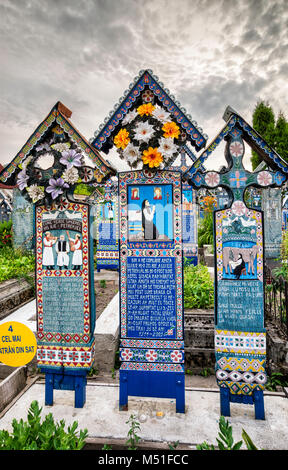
47,170
107,228
148,129
240,337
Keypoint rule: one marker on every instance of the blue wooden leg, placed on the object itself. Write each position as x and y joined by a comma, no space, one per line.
224,401
180,396
49,385
123,392
259,404
80,391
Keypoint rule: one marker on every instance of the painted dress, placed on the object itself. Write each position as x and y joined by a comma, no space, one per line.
48,256
77,255
150,230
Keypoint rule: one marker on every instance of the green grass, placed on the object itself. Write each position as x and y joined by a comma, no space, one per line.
15,263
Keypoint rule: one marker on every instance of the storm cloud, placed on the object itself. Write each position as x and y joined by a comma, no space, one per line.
85,53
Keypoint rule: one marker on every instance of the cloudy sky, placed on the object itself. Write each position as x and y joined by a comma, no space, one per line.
85,53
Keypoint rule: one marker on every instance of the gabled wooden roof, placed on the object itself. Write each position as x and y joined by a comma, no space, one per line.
256,142
59,114
146,80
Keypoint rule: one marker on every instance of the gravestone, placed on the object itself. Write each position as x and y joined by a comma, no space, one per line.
151,292
150,237
285,213
65,297
240,336
47,171
272,207
107,228
189,220
22,221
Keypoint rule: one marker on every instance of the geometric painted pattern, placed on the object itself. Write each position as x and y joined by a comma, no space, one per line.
152,366
68,356
241,388
152,355
242,342
236,376
151,343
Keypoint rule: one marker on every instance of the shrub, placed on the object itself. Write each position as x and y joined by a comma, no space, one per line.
15,263
198,287
6,234
46,435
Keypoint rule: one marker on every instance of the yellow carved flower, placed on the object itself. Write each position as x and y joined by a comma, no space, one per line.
121,140
171,130
145,109
152,157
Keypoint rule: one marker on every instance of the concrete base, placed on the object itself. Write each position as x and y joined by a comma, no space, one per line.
107,337
158,420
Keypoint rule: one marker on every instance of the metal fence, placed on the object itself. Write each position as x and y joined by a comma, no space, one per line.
276,300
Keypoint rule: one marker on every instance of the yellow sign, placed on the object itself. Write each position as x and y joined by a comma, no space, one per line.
18,344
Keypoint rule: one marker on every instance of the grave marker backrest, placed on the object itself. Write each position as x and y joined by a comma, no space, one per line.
240,336
151,286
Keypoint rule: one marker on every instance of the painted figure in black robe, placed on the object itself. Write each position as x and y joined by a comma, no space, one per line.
238,266
149,228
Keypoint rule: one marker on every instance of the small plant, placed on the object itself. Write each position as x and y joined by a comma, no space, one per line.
46,435
102,283
198,287
276,379
93,371
206,372
113,373
225,439
173,445
132,435
107,447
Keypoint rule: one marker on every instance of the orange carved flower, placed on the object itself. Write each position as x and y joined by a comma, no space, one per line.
152,157
145,109
171,130
121,140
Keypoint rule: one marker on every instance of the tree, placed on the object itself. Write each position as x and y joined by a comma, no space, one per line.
281,137
264,124
275,134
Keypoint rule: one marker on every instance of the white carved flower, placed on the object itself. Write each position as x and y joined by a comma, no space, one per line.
61,146
130,116
35,192
167,147
143,132
160,114
70,175
131,153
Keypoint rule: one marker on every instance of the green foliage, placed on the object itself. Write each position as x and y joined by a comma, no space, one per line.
225,439
198,287
276,379
84,189
15,263
205,230
46,435
103,283
274,133
132,435
6,234
263,122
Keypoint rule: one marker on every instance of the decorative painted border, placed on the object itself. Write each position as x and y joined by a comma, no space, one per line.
150,366
240,388
57,356
147,177
230,363
219,216
146,78
151,343
152,355
240,342
84,273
